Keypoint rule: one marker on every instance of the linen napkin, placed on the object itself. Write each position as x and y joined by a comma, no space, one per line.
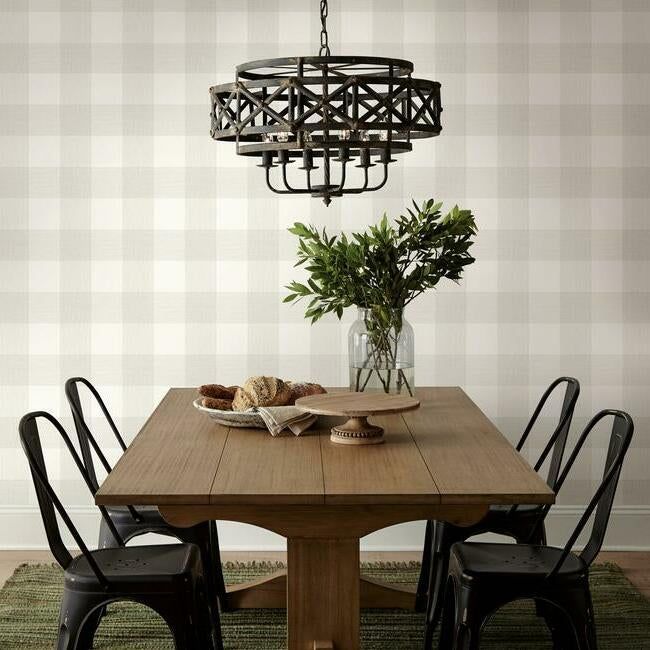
278,418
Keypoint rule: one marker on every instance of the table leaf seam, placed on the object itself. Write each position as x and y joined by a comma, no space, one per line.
415,442
216,471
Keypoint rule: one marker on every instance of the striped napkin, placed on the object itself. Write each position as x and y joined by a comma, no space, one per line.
278,418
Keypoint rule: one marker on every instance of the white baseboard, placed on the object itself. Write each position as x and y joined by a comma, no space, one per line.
21,529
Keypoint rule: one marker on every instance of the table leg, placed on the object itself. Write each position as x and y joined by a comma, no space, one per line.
323,593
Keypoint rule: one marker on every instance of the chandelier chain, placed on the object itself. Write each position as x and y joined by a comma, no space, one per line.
324,43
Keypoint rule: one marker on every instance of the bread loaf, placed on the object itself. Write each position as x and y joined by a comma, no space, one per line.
217,391
302,389
219,404
261,391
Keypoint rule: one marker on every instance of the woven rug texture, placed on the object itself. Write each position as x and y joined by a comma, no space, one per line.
29,607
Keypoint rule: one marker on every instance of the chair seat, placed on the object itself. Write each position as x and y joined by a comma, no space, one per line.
498,519
136,565
150,515
524,509
526,561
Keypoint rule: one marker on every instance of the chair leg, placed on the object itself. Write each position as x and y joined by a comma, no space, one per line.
538,536
192,616
428,636
440,567
442,543
201,535
447,624
558,624
586,635
576,606
184,635
466,638
220,584
177,614
469,620
211,571
78,620
208,613
582,619
424,585
89,628
68,635
461,623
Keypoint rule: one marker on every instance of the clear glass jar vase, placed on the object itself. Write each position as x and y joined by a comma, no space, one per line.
381,351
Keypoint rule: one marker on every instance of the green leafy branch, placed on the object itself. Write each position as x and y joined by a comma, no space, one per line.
387,266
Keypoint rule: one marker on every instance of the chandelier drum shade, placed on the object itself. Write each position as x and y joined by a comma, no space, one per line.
325,113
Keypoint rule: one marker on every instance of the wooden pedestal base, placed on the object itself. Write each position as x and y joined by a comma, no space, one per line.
323,593
357,431
270,592
322,587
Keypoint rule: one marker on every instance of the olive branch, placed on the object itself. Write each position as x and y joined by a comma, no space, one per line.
384,268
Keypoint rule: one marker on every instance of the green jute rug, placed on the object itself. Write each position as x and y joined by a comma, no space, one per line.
29,606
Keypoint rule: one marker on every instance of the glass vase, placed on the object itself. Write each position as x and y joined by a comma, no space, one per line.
381,351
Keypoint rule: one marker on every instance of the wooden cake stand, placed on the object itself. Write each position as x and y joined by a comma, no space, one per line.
357,407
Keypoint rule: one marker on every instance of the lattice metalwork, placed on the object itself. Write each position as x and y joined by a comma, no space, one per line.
336,110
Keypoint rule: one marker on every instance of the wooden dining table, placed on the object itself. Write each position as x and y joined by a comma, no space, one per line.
443,461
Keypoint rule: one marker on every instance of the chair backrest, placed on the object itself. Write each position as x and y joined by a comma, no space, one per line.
557,441
48,501
603,498
87,442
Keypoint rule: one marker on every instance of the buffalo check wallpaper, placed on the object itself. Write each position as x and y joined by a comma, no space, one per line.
136,251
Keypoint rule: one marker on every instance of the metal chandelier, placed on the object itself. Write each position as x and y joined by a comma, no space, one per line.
334,110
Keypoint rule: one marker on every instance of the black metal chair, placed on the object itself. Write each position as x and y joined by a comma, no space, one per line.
484,577
167,578
133,521
519,522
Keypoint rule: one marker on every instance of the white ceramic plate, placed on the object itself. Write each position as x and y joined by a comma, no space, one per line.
243,419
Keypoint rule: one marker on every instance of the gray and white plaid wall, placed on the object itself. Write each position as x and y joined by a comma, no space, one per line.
137,251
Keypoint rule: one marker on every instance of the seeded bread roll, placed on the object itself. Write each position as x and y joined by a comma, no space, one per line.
219,404
302,389
217,391
261,391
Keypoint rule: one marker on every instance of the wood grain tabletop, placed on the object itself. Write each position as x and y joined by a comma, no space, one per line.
445,452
